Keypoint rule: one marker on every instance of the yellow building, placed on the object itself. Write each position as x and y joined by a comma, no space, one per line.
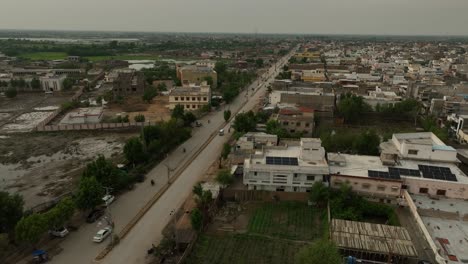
308,54
317,75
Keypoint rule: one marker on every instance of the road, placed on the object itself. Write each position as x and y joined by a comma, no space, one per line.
78,247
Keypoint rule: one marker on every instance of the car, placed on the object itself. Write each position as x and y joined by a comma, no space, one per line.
94,215
108,199
59,232
198,124
221,132
102,234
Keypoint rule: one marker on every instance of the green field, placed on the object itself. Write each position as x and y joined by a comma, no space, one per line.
45,55
123,57
242,249
291,220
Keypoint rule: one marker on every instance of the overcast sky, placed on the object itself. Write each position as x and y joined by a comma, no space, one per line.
408,17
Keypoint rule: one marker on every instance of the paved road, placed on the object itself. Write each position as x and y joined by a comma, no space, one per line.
78,247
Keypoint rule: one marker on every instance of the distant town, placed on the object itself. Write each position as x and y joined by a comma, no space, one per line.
120,147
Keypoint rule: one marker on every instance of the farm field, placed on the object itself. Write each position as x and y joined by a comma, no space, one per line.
45,55
64,55
243,249
291,220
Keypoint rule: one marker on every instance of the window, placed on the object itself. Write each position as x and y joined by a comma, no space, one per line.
134,89
255,173
296,175
187,98
280,189
441,192
193,99
412,152
298,123
365,185
199,98
204,99
193,106
176,98
381,188
394,188
182,98
310,177
423,190
285,123
307,124
404,187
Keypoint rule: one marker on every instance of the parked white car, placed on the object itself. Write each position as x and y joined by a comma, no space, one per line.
59,232
102,234
108,199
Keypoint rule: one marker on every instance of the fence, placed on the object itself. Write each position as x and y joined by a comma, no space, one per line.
96,126
254,195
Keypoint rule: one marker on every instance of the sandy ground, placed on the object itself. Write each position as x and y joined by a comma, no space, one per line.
43,166
25,122
155,111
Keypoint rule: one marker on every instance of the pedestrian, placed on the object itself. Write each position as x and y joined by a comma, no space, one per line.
152,183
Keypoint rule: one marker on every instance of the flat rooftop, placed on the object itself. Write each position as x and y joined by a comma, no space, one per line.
359,165
287,152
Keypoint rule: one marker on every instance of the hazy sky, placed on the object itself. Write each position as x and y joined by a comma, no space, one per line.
441,17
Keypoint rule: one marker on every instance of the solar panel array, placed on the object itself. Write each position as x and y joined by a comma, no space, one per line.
405,172
382,175
437,173
282,161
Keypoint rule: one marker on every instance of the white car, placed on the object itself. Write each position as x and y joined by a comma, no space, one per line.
59,232
102,234
108,199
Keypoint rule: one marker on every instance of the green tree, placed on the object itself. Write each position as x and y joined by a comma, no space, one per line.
319,194
139,118
35,84
319,252
226,150
90,193
224,177
351,107
197,189
196,219
227,115
178,112
149,94
245,122
61,213
273,127
106,173
209,80
189,118
134,151
68,84
367,143
162,87
220,67
11,208
259,62
30,228
11,92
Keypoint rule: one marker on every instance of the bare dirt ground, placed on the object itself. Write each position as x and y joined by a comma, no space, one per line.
44,166
155,111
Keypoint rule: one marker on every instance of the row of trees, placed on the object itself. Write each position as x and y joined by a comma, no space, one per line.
231,82
365,143
247,122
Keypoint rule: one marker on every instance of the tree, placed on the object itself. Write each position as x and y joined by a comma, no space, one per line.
139,118
224,177
68,83
90,193
189,118
11,208
319,252
367,143
162,87
196,219
227,115
197,189
149,94
220,67
273,127
351,107
209,80
60,214
226,150
245,122
178,112
106,173
35,84
259,62
319,194
134,151
11,92
30,228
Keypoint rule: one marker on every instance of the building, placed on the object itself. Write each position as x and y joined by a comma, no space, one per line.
90,115
378,96
417,162
196,74
317,75
128,82
256,140
286,168
191,97
52,83
296,120
323,104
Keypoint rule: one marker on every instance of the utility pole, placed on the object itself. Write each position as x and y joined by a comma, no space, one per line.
173,214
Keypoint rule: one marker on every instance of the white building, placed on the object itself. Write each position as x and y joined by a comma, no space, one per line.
191,97
52,82
287,168
256,140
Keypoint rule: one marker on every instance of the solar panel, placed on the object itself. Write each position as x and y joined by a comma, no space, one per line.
402,171
437,173
282,161
381,175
